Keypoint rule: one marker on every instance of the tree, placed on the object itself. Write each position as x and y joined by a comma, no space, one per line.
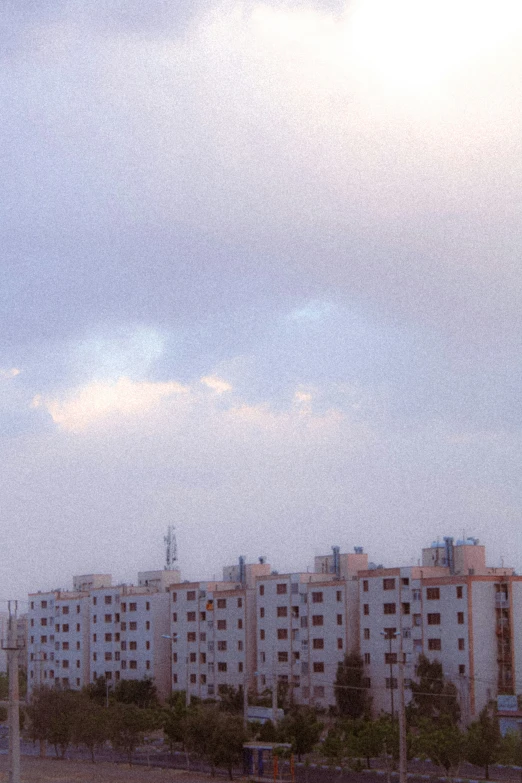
142,693
215,736
173,718
433,697
52,714
230,698
483,741
128,725
443,743
90,727
350,694
301,728
97,691
369,737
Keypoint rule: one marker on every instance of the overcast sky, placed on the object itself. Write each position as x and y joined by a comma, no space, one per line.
260,279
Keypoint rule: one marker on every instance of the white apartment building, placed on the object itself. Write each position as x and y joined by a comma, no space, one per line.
452,608
212,631
306,623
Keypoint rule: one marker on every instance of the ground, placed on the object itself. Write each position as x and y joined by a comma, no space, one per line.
36,770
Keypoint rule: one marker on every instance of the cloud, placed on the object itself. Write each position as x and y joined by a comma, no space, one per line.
216,384
98,401
7,375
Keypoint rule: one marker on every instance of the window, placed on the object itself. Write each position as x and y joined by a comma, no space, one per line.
43,604
222,666
123,665
147,645
390,633
174,597
405,581
282,633
123,607
391,683
432,593
366,633
281,589
94,637
262,634
405,608
65,645
389,609
65,610
147,606
390,657
317,619
460,618
282,611
203,637
191,595
365,585
78,627
191,617
240,645
240,623
262,611
462,644
108,599
221,603
304,622
460,591
78,645
202,617
202,657
222,645
147,625
123,645
193,657
108,637
222,625
77,608
65,628
318,666
124,626
147,664
133,626
388,584
174,617
261,589
317,598
65,664
43,639
43,621
133,665
462,668
434,618
417,620
339,644
108,618
339,596
117,655
434,644
367,657
366,609
282,657
239,603
318,644
191,636
133,645
416,594
133,607
108,656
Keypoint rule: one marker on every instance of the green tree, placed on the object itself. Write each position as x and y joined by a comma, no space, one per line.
52,714
97,691
433,697
350,694
127,726
368,738
90,726
230,699
173,718
510,749
142,693
443,743
301,728
215,736
483,741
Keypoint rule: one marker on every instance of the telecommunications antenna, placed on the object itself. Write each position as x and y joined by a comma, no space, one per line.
171,547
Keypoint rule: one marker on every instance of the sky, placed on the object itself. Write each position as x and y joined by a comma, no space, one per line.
260,280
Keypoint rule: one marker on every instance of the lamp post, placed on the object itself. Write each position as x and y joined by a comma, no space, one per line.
174,638
391,635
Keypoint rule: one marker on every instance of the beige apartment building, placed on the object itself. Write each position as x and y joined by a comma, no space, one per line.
452,608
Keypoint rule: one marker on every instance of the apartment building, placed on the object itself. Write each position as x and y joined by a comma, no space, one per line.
212,631
100,630
452,608
306,623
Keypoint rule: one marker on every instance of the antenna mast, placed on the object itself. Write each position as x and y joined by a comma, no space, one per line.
171,547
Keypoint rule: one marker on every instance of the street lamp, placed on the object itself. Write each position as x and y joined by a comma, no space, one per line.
390,634
174,638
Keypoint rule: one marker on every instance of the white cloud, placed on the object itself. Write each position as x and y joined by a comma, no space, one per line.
216,384
101,400
6,375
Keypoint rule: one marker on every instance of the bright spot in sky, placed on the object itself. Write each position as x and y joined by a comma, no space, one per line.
410,44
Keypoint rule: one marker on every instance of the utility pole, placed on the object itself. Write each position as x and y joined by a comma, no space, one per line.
14,698
274,687
402,722
245,701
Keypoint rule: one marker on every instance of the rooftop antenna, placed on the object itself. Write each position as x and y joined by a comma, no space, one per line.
171,548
